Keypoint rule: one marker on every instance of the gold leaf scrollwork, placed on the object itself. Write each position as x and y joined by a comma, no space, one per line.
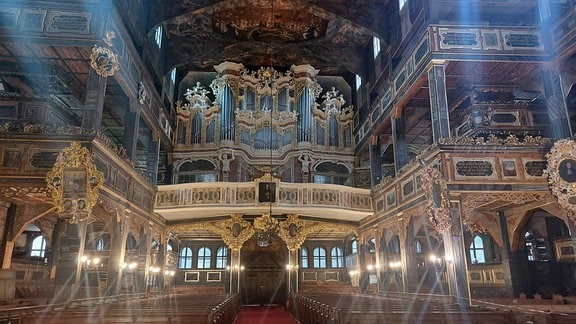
562,174
293,232
234,231
104,61
73,183
438,204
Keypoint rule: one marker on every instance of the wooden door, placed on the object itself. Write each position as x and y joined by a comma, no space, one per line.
263,280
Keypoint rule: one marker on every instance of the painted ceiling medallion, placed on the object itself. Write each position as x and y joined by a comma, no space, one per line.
104,61
562,174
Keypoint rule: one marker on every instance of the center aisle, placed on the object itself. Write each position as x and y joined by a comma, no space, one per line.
264,315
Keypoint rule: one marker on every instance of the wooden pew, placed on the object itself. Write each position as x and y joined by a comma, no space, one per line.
365,309
213,309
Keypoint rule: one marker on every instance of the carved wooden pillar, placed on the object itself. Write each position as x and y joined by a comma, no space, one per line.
292,271
8,212
438,101
69,267
399,141
116,261
235,269
152,160
375,161
94,102
7,275
557,110
455,260
377,260
131,128
408,255
514,263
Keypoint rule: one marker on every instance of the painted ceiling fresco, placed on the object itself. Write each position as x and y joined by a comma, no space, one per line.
203,33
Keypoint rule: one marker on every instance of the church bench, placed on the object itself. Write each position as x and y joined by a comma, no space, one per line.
345,308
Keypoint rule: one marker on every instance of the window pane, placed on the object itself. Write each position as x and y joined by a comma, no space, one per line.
303,257
185,259
319,257
204,255
337,257
222,257
38,247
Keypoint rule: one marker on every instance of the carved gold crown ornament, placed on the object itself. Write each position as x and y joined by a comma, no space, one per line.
73,183
562,174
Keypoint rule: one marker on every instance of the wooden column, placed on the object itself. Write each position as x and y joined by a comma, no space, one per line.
455,261
438,102
69,267
399,143
556,105
94,102
116,260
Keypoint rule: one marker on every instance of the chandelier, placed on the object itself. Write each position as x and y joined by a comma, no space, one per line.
267,227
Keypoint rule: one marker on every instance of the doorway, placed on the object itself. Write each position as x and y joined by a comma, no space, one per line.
263,280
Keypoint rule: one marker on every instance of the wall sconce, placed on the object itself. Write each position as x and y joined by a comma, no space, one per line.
73,183
154,270
88,263
353,273
395,265
234,268
129,266
169,273
292,267
447,259
373,267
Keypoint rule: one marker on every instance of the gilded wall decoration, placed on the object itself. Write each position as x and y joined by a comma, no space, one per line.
438,204
74,182
234,231
562,174
511,140
104,61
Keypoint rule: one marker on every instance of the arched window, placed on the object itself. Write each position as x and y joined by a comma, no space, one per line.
337,257
354,247
100,244
476,250
204,255
303,257
38,247
535,246
221,257
185,259
418,249
319,257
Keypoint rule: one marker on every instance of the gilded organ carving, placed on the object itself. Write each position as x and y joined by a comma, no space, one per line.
269,118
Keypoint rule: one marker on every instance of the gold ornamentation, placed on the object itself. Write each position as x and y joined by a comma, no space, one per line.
562,174
73,183
234,231
110,35
104,61
438,204
293,232
510,140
